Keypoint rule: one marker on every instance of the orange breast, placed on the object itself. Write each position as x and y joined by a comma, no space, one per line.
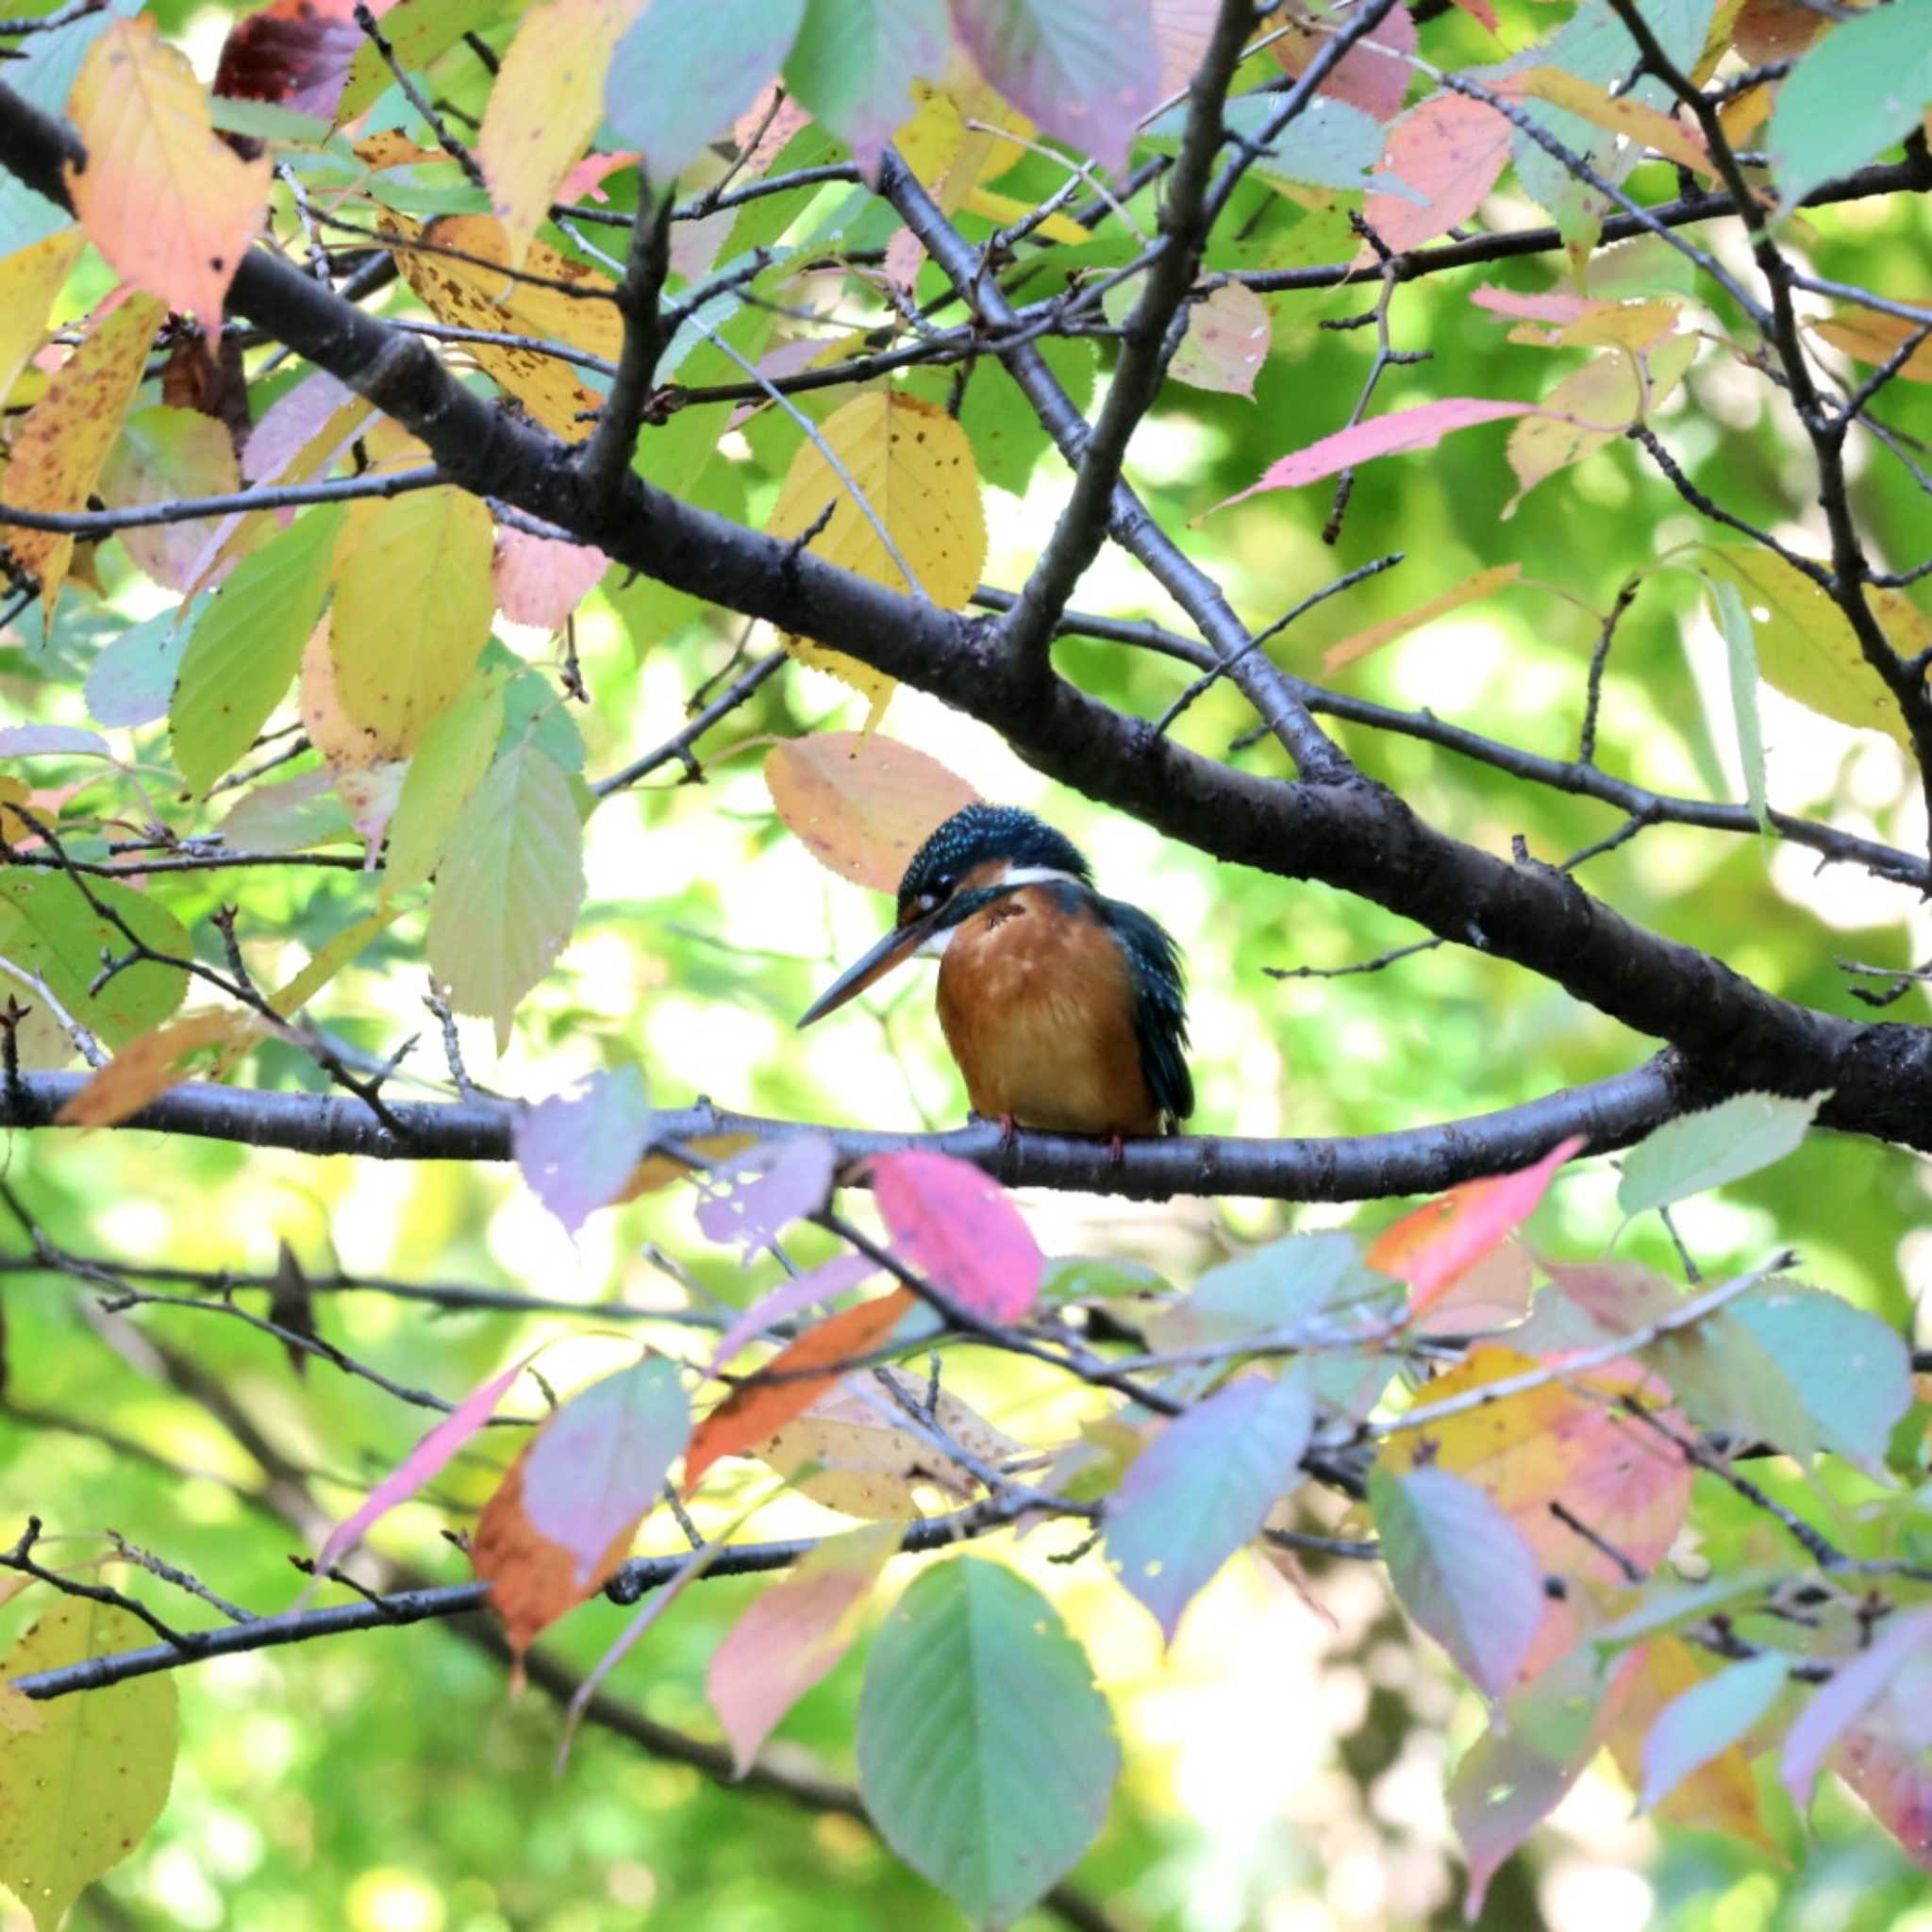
1036,1004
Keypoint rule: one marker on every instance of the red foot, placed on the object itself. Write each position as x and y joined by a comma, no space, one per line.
1117,1150
1009,1132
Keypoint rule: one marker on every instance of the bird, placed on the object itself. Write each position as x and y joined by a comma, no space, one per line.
1065,1010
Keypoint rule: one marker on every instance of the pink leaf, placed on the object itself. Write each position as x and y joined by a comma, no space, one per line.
1366,77
821,1284
1549,308
1450,149
1381,436
585,178
541,580
958,1227
1086,71
1883,1757
775,1185
791,1637
1854,1686
425,1461
579,1148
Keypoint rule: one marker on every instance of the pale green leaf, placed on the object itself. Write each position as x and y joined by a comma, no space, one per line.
448,765
1706,1150
512,880
1740,652
78,1793
687,69
986,1752
1707,1720
854,61
245,647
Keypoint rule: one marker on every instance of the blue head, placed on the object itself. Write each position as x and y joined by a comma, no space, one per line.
958,868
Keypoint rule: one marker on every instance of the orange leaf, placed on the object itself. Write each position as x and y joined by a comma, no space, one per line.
863,804
1877,338
148,1066
1468,591
1432,1247
759,1407
160,195
64,444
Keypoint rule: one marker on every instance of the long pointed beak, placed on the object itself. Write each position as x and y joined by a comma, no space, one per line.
895,948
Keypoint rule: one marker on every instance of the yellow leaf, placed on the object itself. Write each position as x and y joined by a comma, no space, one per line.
544,108
1614,389
147,1067
949,157
79,1793
1619,114
64,444
1720,1795
412,611
330,959
913,465
1005,210
1468,591
1877,338
160,195
1806,646
1620,326
474,294
30,277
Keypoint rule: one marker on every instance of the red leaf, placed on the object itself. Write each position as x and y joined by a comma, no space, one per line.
294,52
959,1227
1432,1247
758,1408
1549,307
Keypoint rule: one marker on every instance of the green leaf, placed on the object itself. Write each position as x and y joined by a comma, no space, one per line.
1740,651
1859,92
512,880
1461,1569
854,61
1699,1151
1204,1488
688,68
1278,1290
1666,1605
1707,1720
418,31
244,649
48,926
449,764
986,1752
291,815
78,1793
412,614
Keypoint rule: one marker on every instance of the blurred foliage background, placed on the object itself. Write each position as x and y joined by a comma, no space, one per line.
1285,1760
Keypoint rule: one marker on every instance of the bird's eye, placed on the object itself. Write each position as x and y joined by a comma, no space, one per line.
941,885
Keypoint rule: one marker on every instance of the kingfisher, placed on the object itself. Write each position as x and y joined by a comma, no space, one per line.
1064,1010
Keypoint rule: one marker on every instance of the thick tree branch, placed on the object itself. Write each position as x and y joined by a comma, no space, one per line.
1347,833
1611,1113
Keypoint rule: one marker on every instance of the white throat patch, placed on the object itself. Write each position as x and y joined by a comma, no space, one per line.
1038,875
